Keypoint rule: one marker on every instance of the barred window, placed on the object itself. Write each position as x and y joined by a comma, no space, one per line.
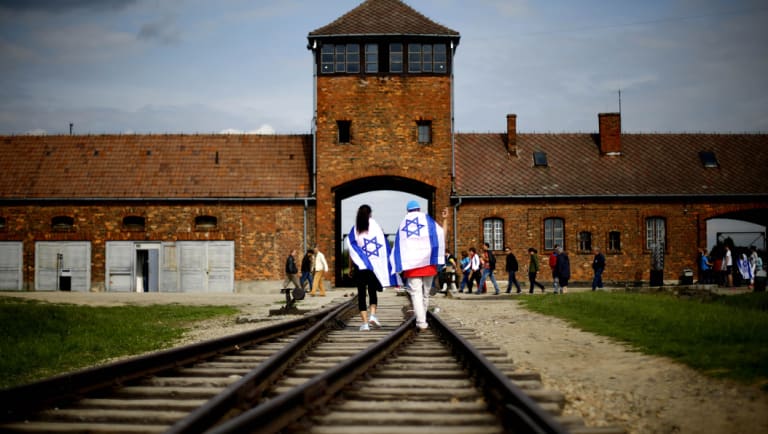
425,131
655,233
614,241
493,233
553,233
585,242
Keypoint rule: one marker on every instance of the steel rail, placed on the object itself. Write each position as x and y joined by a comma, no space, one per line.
248,390
19,402
279,412
517,411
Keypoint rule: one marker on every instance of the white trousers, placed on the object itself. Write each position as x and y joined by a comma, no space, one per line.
418,288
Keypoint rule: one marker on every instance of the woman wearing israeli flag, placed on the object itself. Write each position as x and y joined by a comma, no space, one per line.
369,265
418,251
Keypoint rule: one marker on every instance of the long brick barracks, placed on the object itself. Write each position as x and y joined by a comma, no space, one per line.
219,213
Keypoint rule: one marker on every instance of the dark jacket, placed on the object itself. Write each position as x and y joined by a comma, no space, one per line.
290,265
512,265
599,262
306,264
563,266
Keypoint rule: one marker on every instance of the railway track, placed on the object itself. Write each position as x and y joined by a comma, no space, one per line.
317,374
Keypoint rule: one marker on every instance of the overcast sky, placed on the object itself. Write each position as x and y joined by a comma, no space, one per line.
198,66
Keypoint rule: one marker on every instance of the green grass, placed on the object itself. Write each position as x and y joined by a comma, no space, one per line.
727,337
39,340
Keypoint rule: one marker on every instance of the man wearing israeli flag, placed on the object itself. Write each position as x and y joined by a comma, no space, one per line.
418,251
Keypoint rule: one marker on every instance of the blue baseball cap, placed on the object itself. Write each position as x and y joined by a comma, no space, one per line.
412,205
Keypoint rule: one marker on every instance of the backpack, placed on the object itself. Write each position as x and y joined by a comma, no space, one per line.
552,260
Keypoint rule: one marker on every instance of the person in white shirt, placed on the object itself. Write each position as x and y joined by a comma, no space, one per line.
321,267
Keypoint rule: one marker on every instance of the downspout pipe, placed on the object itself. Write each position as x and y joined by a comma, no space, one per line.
456,226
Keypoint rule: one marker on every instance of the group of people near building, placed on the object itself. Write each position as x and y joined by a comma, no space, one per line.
419,262
313,269
719,266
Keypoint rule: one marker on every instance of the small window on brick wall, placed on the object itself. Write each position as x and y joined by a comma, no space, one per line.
345,131
3,224
62,223
614,241
206,223
134,223
424,131
585,242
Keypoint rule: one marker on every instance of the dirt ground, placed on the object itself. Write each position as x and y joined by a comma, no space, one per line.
605,382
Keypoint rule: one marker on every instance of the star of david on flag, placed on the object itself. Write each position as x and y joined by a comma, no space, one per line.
370,251
371,247
412,227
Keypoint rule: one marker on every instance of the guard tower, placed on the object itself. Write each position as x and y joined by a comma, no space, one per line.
383,98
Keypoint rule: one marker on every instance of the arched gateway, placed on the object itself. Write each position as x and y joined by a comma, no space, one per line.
365,185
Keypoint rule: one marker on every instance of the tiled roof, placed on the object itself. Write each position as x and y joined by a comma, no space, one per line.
383,17
155,166
649,165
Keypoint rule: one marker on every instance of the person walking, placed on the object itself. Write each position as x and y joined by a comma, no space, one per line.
465,271
512,268
307,264
563,269
474,269
553,268
598,265
489,266
533,269
418,251
321,267
368,264
291,271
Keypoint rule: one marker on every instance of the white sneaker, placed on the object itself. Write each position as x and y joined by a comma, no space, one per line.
364,328
374,322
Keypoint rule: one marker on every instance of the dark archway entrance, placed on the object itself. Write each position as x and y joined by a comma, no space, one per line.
366,185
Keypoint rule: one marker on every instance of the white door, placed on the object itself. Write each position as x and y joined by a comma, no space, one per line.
221,266
119,273
11,265
75,256
206,266
169,268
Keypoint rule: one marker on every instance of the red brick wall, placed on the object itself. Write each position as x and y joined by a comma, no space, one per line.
524,228
383,112
263,234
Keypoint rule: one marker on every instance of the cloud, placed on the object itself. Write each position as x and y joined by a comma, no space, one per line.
265,129
57,6
163,30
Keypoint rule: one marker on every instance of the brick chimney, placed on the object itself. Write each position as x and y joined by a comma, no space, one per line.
610,133
512,134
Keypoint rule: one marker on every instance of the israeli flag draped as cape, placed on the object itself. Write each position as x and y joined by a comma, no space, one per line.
373,254
420,241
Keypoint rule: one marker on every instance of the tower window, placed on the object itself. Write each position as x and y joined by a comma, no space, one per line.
340,58
345,131
371,58
427,58
425,131
396,57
